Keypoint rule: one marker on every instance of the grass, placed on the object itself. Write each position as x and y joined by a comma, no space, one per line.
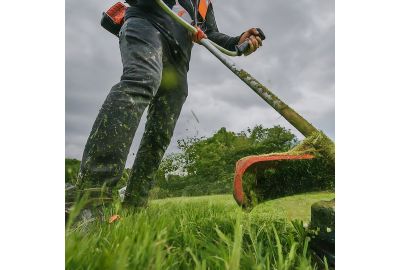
208,232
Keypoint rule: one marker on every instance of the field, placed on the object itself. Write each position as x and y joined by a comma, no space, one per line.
209,232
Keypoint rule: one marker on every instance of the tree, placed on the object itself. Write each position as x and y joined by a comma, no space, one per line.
206,165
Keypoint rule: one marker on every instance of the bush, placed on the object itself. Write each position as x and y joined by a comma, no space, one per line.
206,166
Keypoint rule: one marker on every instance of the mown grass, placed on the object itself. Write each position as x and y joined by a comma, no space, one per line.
208,232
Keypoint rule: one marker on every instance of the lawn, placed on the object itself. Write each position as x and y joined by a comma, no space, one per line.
209,232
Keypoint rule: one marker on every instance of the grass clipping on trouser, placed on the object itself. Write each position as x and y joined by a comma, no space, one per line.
274,179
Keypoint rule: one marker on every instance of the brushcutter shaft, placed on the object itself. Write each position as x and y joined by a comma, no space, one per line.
301,124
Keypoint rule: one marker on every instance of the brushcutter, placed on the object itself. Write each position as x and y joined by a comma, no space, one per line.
316,147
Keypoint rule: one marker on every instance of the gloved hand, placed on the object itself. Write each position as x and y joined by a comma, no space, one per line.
254,39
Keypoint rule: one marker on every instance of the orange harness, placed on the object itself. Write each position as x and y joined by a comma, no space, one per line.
203,7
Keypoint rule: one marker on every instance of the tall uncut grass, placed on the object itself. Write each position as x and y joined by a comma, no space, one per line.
208,232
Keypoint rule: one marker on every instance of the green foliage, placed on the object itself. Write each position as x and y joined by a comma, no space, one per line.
195,233
206,165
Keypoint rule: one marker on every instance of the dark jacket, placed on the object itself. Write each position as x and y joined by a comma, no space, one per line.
178,37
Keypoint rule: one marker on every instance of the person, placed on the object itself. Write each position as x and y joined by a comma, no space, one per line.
155,52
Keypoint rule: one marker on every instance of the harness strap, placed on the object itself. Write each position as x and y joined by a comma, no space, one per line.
196,7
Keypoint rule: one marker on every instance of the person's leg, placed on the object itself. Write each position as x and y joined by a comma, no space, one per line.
109,142
162,116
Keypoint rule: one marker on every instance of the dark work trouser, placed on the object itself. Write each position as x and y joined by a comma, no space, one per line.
150,77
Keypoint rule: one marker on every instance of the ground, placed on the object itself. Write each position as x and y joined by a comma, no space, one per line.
208,232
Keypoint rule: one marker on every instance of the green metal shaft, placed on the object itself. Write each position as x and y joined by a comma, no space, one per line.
301,124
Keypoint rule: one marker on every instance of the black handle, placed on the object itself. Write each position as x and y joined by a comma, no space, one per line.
245,45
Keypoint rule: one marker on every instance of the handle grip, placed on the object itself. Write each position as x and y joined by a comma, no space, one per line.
245,45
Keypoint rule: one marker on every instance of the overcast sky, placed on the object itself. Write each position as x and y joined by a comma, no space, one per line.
297,62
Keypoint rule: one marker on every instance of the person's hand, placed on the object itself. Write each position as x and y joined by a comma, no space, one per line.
254,39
